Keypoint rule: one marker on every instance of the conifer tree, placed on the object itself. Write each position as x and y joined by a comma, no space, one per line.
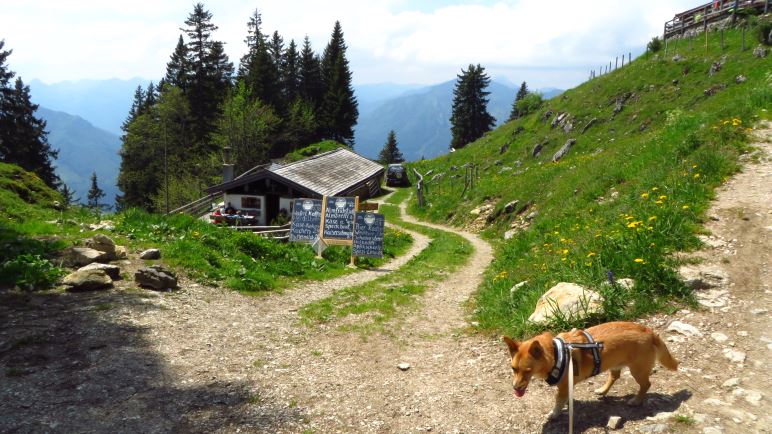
150,98
291,73
210,73
178,70
338,113
310,86
521,93
68,196
390,153
94,193
23,136
253,39
470,118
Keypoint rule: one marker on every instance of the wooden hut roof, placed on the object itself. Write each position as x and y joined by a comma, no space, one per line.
328,173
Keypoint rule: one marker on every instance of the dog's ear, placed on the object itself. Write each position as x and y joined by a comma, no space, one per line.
511,344
536,350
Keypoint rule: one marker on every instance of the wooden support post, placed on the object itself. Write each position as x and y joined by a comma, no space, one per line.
722,39
734,11
616,62
321,226
629,57
354,228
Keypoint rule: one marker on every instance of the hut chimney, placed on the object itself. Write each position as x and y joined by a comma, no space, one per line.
227,166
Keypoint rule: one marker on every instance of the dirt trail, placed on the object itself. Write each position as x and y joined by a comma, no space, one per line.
211,360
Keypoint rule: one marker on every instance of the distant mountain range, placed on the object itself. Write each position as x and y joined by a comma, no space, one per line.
83,149
84,122
421,119
104,103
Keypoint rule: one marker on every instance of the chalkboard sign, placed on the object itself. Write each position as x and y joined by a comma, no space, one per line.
339,218
306,217
368,235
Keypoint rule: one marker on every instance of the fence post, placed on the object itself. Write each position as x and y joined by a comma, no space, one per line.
722,39
629,57
616,62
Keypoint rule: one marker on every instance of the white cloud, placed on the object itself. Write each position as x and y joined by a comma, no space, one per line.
389,40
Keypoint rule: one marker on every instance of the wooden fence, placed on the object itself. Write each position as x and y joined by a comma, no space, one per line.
710,12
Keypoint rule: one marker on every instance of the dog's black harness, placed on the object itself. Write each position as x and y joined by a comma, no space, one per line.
562,348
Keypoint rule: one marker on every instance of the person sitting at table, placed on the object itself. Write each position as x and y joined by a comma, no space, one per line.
230,210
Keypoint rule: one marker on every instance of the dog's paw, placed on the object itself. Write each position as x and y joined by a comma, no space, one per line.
553,414
635,401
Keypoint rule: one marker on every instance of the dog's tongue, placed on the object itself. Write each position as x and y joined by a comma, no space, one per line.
519,392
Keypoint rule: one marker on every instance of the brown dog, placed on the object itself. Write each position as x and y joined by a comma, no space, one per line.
624,344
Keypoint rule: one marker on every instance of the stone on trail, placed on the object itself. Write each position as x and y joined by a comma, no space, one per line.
156,277
654,429
732,382
121,252
103,243
703,276
112,270
734,355
572,300
87,280
80,256
613,422
684,329
150,254
403,366
719,337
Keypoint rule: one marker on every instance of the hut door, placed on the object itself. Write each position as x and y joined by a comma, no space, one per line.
271,207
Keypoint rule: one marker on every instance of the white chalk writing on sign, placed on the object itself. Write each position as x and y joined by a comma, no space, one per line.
339,218
368,235
306,217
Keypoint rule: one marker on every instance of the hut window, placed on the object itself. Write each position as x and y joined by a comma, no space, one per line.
250,202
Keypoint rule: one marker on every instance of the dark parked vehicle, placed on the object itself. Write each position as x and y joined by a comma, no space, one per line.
396,175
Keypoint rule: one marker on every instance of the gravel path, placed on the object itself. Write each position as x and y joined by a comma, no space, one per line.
211,360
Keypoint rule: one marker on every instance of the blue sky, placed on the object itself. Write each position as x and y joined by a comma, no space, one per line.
552,43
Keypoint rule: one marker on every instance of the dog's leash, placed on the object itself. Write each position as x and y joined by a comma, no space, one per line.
570,390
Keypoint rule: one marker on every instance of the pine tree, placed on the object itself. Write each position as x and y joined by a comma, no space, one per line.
470,118
254,38
178,70
68,196
94,193
150,98
338,113
390,153
521,93
311,85
23,136
210,72
291,73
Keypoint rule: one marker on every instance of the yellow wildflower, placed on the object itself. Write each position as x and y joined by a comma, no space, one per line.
591,254
659,202
652,218
663,197
565,251
696,175
639,261
644,195
654,189
685,207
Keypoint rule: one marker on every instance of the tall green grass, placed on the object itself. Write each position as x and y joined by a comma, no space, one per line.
632,191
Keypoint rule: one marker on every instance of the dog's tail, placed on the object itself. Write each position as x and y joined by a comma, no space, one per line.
663,355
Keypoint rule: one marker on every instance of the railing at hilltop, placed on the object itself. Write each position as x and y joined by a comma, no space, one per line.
273,232
710,12
196,208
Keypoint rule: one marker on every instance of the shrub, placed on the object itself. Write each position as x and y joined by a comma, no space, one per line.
655,44
763,31
529,104
30,272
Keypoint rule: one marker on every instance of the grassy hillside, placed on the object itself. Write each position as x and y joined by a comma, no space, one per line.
632,190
